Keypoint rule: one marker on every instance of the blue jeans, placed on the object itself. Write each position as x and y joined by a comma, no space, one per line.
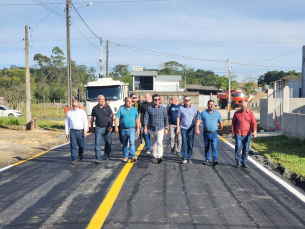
187,142
101,132
210,141
242,144
147,139
131,135
77,138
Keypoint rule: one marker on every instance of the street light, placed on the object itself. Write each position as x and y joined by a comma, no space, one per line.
89,4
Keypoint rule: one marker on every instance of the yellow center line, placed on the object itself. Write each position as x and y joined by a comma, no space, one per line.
222,138
102,212
20,162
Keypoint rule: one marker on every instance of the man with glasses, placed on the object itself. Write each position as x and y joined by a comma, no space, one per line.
157,122
134,101
129,120
142,113
76,122
185,125
103,127
210,118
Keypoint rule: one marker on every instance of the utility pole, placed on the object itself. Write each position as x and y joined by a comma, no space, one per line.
101,60
229,90
107,55
69,78
303,72
27,81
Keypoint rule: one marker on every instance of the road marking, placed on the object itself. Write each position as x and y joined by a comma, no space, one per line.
102,212
20,162
290,188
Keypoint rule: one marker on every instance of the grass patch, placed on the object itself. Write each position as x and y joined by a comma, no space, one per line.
286,151
11,123
49,111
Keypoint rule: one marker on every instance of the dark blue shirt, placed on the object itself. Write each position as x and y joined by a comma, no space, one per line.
156,118
173,113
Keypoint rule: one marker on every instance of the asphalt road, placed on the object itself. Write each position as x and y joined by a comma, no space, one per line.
48,192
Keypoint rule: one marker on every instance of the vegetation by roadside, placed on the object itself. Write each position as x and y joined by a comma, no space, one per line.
286,151
49,111
19,123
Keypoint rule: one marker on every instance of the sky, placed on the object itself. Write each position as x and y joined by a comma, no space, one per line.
257,36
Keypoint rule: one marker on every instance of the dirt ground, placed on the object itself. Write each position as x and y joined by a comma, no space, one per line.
16,145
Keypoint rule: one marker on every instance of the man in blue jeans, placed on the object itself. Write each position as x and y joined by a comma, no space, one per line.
103,127
142,113
76,122
242,122
210,118
129,122
186,124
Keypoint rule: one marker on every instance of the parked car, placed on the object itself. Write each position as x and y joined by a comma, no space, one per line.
8,112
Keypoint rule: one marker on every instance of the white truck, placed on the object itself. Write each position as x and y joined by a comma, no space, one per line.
114,90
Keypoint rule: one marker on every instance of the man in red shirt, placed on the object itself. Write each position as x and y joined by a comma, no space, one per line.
242,121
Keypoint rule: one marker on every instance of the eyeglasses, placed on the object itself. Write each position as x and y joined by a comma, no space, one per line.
74,106
187,100
156,99
134,97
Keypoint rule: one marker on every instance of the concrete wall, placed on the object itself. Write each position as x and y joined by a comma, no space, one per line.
294,125
167,95
298,105
267,113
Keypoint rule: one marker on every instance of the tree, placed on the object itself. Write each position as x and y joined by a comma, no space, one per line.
272,76
120,72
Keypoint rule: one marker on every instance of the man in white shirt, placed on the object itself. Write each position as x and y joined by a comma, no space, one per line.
76,122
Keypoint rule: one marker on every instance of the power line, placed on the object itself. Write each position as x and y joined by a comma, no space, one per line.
47,15
85,22
276,56
51,3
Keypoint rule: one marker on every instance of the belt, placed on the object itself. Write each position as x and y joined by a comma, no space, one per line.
210,132
129,128
78,129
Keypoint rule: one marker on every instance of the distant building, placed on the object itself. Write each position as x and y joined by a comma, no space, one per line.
294,84
205,93
151,81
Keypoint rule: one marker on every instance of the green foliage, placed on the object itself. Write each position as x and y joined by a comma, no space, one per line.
120,72
283,150
48,79
271,76
12,121
224,83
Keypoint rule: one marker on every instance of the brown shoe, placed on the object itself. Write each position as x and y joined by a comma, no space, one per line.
74,162
134,159
125,159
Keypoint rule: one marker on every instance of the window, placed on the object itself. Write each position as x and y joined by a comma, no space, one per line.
143,83
110,92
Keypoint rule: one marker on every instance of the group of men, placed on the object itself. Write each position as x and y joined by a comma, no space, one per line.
151,120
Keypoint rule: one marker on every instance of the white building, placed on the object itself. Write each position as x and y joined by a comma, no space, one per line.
151,81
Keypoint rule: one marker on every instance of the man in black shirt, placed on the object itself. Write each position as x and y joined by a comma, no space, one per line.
103,127
142,112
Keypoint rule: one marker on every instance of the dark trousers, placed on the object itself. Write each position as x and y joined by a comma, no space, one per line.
77,138
187,142
100,133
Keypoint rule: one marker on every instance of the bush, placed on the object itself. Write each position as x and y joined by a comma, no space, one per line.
12,121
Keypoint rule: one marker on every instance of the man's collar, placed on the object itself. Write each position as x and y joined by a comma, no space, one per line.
187,107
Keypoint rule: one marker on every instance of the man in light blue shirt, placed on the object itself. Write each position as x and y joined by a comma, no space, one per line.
185,125
210,118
